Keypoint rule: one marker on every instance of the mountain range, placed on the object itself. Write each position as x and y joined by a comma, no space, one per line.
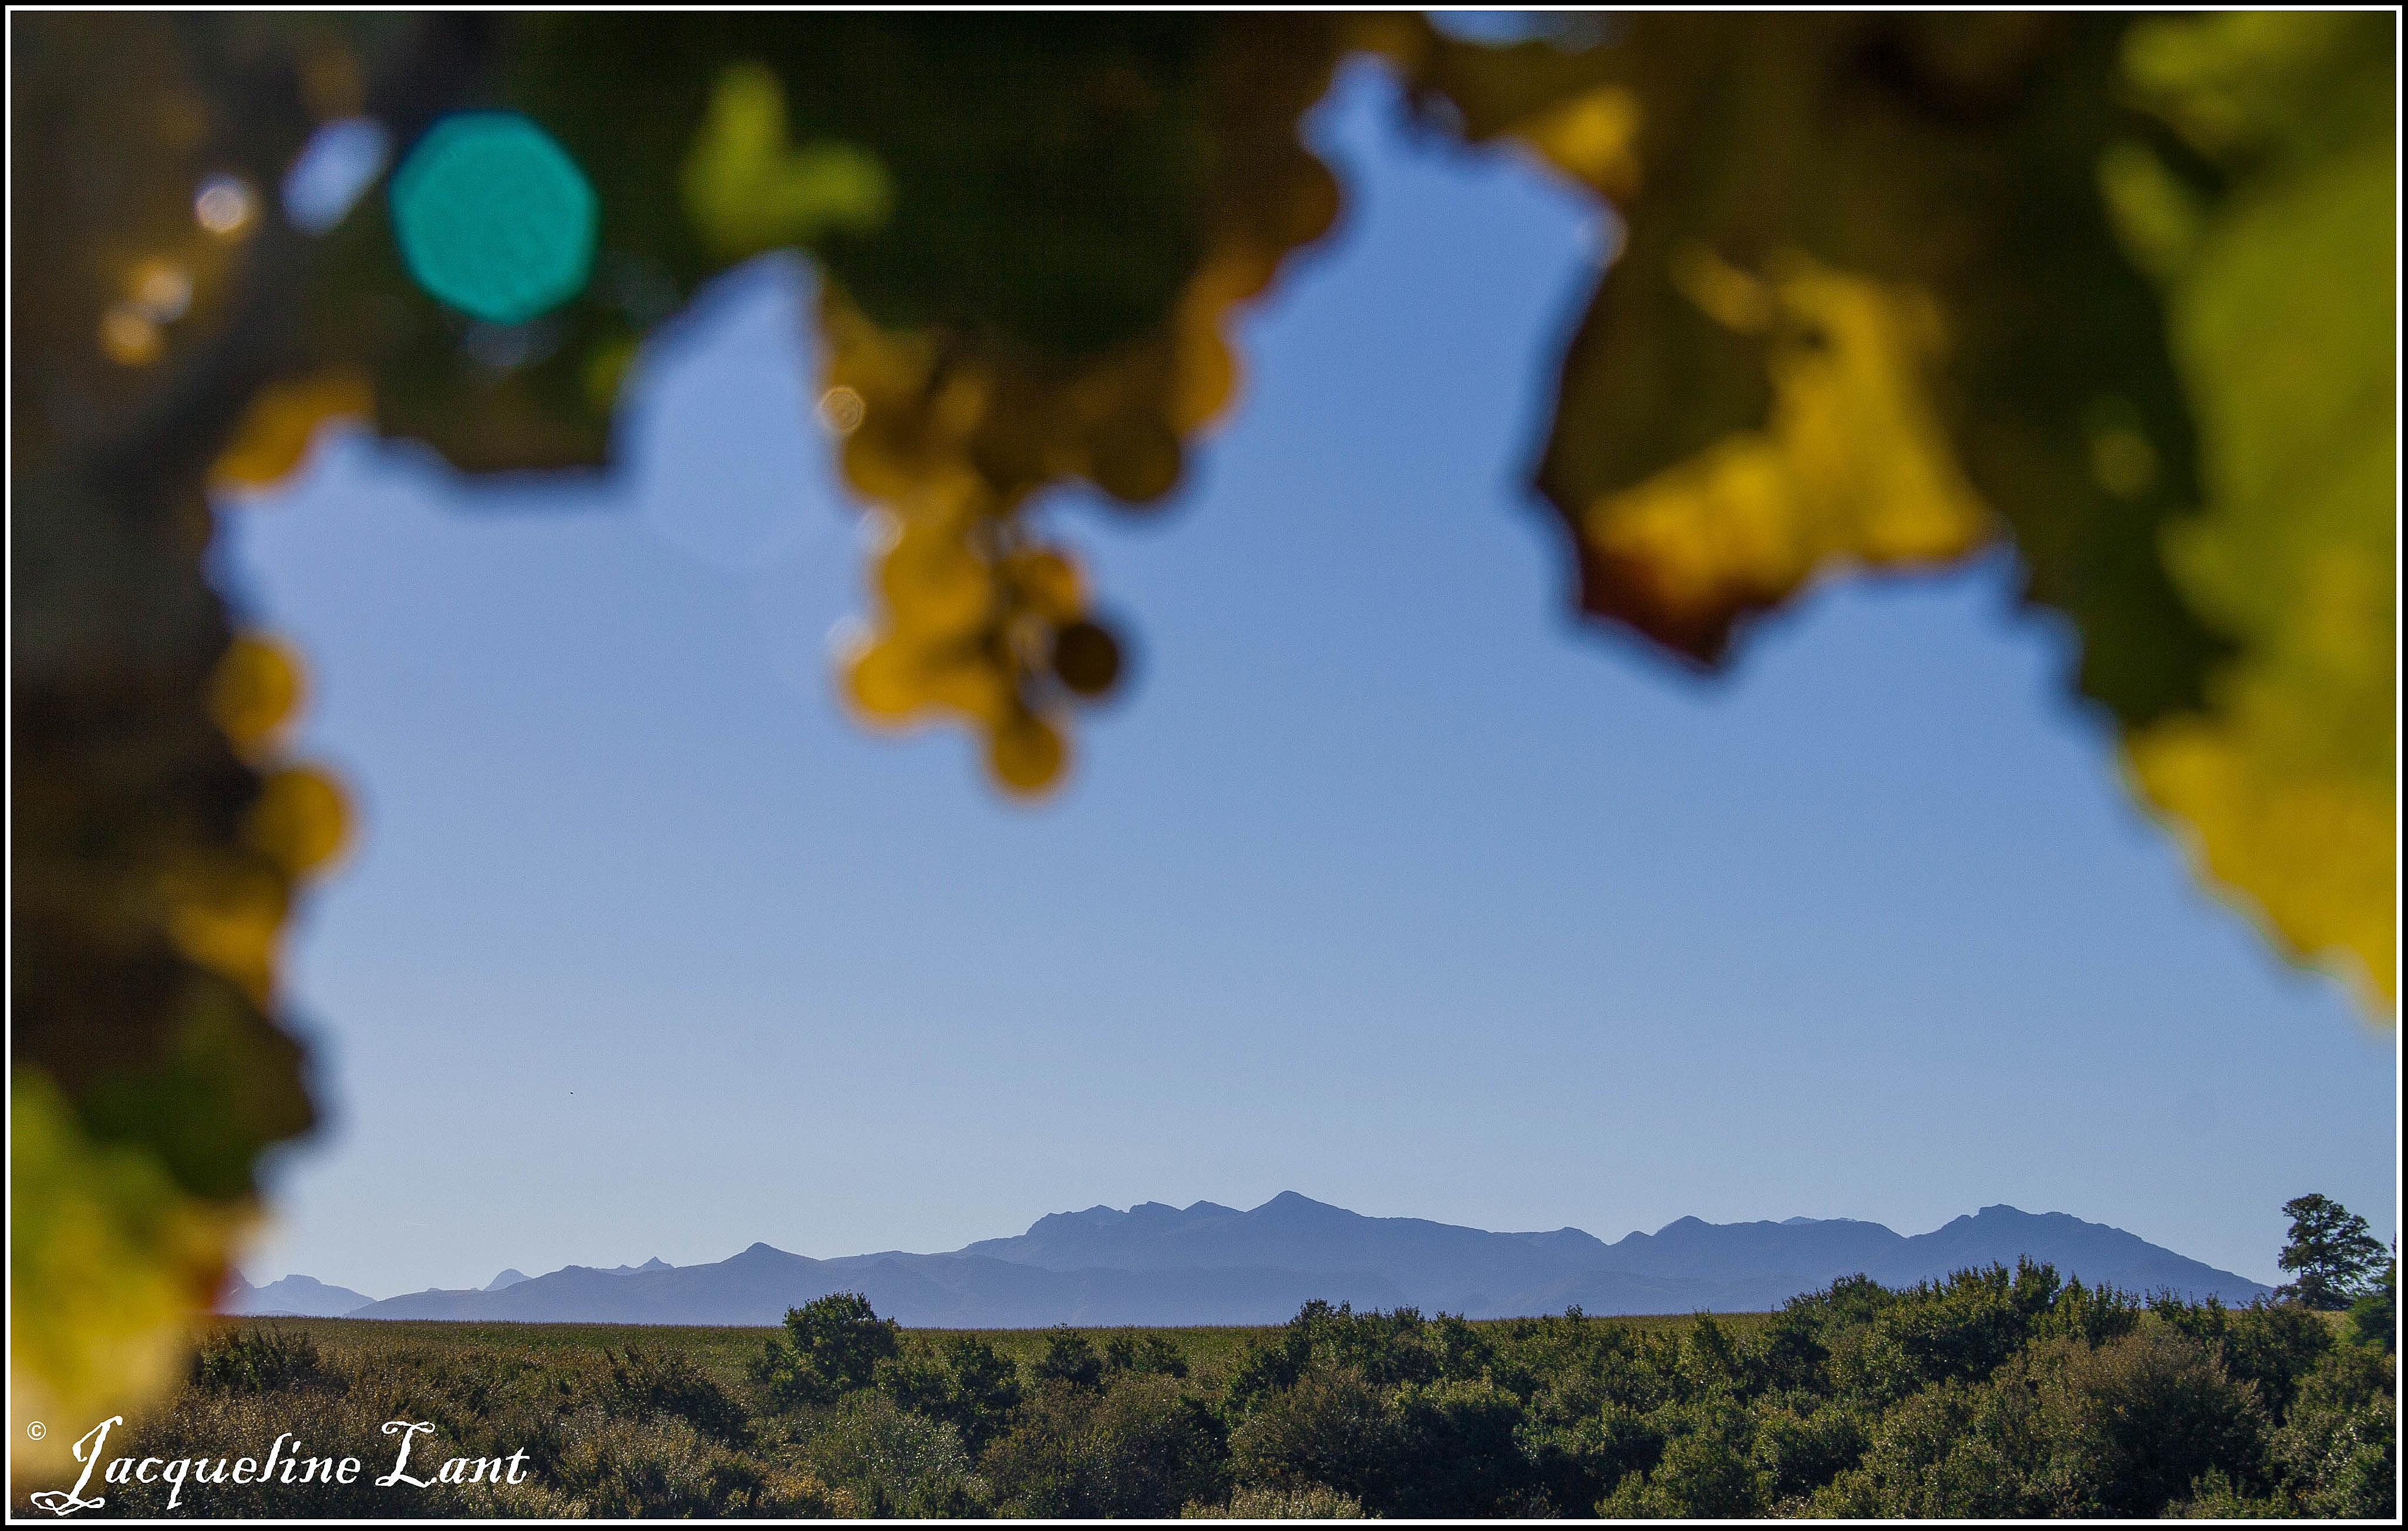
1209,1264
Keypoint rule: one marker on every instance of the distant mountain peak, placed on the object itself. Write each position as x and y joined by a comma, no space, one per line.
1154,1264
655,1263
1290,1199
295,1297
2001,1213
510,1276
1296,1204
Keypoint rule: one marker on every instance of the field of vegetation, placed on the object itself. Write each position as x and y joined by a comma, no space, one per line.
1993,1393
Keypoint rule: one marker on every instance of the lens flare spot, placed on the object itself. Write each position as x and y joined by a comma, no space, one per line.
161,289
129,336
332,170
494,218
224,205
846,638
841,410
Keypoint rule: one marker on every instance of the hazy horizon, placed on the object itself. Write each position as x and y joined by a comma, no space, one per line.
1384,883
1605,1238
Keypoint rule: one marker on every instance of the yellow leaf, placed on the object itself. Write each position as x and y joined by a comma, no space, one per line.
606,369
1593,138
748,190
283,419
2280,308
108,1265
1852,466
2313,856
227,918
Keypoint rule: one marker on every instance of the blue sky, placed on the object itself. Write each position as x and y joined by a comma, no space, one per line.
1385,883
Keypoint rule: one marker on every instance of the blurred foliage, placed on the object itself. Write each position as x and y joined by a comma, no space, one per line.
2278,263
159,831
2122,293
1888,287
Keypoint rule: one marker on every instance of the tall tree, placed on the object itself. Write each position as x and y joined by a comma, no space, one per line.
2332,1250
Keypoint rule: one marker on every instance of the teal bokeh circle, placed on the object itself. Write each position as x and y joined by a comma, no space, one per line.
494,218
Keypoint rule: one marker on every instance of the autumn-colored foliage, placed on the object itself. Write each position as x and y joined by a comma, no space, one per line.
1890,287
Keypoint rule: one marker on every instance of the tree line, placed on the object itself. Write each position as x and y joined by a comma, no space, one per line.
1992,1393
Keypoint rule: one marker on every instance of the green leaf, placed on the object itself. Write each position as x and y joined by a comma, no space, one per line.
2284,325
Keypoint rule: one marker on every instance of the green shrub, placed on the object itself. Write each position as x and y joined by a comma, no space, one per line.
655,1383
1329,1427
1579,1462
2134,1423
1989,1395
892,1462
258,1360
2374,1315
2339,1448
1139,1448
961,1380
2091,1314
2270,1345
1384,1348
618,1468
1801,1443
1960,1329
1950,1450
1311,1502
1705,1471
832,1347
1455,1450
2214,1497
1146,1354
1069,1357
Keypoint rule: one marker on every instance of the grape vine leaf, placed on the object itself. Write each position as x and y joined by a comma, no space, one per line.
1891,285
147,893
1888,287
2279,279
